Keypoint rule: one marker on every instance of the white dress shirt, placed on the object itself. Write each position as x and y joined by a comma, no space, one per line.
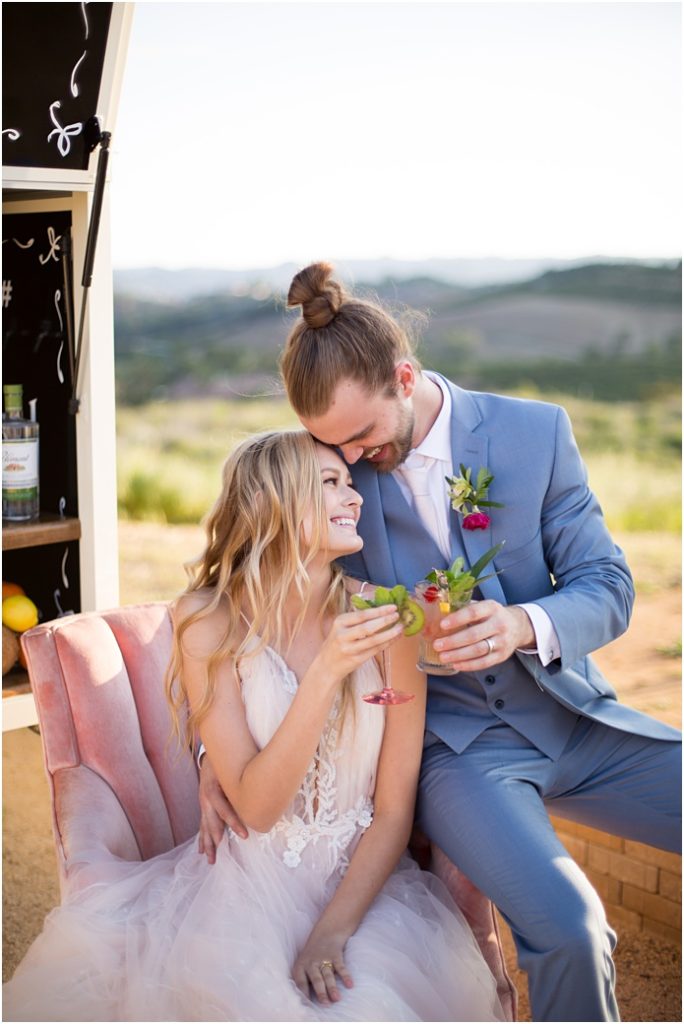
423,471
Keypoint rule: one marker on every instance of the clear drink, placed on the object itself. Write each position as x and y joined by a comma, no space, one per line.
435,604
20,494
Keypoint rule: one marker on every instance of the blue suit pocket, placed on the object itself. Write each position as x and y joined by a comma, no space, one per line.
524,574
510,557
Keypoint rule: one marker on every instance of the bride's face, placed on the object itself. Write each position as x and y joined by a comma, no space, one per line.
342,505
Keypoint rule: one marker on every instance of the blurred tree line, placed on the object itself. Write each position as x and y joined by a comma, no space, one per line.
610,332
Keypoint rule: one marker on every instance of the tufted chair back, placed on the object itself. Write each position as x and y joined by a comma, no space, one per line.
120,786
118,781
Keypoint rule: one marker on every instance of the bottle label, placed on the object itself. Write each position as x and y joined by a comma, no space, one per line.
19,464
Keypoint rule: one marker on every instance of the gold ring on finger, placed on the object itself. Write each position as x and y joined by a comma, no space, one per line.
326,963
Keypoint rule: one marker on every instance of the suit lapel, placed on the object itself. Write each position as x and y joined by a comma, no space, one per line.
376,549
471,449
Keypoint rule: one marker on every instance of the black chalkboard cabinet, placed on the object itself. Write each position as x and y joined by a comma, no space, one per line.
62,70
46,116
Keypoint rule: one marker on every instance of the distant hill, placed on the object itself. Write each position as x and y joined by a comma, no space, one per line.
587,317
164,285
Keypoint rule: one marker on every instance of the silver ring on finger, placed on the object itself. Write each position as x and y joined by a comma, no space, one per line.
491,646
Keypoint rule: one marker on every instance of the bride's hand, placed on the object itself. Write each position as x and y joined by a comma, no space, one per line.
318,965
216,812
355,637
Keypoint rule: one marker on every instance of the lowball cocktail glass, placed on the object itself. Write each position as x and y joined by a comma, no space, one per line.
435,604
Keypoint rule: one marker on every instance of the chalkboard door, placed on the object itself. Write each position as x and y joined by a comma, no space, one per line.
52,56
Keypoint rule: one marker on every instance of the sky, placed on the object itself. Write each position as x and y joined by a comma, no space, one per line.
251,134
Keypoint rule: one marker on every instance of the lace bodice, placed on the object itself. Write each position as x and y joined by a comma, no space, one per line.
334,802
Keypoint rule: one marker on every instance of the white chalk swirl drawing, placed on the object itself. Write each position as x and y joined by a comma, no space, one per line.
74,83
53,241
62,507
65,579
12,133
20,245
85,18
60,375
64,133
56,594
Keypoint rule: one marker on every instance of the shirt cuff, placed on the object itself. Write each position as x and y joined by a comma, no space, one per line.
548,645
201,751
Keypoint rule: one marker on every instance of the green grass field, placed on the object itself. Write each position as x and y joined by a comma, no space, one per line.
170,456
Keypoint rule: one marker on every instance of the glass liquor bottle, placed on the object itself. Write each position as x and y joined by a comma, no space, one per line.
20,495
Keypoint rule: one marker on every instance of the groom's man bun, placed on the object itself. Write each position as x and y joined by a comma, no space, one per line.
338,337
317,293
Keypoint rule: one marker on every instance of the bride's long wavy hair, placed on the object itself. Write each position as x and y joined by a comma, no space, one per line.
254,557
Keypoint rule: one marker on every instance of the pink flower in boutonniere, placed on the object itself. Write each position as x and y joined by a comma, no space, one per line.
466,497
476,521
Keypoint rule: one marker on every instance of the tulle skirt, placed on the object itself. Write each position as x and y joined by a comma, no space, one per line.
177,939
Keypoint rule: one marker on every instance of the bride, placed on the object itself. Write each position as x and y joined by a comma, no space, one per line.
319,914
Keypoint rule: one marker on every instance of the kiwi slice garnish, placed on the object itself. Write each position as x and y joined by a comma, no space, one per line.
412,617
411,614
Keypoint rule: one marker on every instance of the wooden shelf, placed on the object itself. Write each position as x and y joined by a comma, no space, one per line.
47,529
15,683
18,706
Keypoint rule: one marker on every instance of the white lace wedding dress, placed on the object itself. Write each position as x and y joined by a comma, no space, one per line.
175,939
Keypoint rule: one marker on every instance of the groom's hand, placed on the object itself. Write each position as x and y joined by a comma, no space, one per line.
483,634
216,812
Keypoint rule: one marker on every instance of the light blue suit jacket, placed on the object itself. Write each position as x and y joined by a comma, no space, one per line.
558,553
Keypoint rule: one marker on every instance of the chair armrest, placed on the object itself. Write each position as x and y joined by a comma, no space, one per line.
90,825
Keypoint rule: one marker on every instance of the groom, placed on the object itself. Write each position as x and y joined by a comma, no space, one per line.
529,724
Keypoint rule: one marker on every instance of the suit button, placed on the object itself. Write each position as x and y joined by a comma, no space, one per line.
490,679
498,704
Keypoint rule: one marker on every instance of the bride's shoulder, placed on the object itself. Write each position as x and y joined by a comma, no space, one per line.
192,602
202,620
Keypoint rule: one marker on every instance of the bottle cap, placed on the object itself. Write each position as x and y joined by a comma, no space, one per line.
13,395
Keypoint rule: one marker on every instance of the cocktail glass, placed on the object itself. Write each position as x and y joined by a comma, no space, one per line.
435,603
387,695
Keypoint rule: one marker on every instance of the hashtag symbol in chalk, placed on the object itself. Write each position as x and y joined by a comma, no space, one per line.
6,293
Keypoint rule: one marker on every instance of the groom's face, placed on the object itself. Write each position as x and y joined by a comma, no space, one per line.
377,427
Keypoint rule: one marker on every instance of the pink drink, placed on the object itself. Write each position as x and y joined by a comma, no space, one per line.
435,605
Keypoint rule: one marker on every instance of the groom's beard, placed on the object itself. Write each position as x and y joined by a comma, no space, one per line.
400,446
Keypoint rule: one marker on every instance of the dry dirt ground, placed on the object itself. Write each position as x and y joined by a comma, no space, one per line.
643,665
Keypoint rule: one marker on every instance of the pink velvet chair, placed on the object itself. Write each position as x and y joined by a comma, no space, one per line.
118,786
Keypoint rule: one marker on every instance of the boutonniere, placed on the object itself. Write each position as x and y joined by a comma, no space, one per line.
466,497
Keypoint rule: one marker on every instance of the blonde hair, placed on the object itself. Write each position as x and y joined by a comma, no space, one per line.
254,557
338,337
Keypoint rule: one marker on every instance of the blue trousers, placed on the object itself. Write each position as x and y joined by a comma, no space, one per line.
487,809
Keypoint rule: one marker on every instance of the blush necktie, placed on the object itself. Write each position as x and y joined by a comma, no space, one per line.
416,474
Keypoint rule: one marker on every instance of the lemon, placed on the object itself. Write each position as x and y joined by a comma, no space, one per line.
19,613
